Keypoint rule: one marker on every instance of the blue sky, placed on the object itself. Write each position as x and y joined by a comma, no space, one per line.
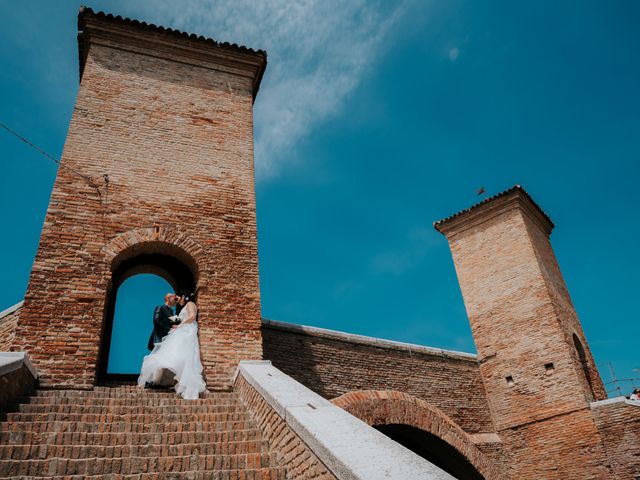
374,120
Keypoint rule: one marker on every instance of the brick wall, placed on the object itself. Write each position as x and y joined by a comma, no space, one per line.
169,119
8,323
332,367
619,427
300,462
565,313
566,447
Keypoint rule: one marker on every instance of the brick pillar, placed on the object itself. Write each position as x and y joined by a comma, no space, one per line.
534,358
169,118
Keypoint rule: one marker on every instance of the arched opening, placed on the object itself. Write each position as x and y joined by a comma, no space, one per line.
433,449
582,357
423,428
160,259
135,300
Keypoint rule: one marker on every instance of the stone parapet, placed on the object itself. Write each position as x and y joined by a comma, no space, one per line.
8,322
18,378
349,448
367,341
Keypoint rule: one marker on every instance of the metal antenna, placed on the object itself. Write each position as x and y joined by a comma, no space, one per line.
614,380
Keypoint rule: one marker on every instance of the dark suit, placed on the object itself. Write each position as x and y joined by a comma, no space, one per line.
161,324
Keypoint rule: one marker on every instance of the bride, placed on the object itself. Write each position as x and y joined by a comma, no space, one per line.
177,355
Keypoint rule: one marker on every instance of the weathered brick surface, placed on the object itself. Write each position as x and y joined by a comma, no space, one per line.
8,329
170,121
332,368
566,447
619,427
389,407
300,462
214,437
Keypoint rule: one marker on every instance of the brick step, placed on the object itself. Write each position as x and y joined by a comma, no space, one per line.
127,438
134,465
86,409
27,452
120,392
158,401
273,473
137,393
122,426
129,418
123,388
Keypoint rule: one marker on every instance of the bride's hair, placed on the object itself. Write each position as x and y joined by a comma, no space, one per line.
189,295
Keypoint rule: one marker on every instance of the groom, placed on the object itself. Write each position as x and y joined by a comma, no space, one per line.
161,321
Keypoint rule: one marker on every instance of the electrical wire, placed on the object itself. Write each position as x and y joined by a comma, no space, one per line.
51,157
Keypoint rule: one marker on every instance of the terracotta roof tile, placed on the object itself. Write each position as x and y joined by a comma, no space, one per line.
515,188
87,12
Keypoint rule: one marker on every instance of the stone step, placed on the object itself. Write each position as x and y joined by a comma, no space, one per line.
273,473
128,418
126,438
157,401
41,452
135,465
135,393
122,426
85,409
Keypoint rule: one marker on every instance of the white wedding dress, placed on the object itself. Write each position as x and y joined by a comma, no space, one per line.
178,353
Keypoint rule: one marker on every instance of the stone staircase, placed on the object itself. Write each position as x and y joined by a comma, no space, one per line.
128,433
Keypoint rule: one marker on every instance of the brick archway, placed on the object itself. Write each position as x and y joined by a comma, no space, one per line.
153,239
160,251
390,407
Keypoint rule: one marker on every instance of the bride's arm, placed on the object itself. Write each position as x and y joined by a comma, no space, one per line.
192,312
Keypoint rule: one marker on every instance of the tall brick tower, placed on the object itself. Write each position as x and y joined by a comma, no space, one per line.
157,176
535,362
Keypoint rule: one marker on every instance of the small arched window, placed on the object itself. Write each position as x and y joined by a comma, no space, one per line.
584,364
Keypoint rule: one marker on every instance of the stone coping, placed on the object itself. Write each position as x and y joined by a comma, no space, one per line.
12,309
11,361
610,401
369,341
348,447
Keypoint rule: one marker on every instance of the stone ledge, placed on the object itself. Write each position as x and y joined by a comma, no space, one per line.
350,448
18,378
610,401
11,361
369,341
12,309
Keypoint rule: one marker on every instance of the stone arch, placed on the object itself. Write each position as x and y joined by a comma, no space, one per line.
162,251
390,407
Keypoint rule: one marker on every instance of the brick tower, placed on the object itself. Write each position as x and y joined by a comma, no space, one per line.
156,176
535,362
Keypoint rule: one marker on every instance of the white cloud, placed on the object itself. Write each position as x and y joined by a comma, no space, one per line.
319,51
454,53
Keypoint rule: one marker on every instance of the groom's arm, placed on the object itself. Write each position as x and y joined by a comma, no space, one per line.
160,319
